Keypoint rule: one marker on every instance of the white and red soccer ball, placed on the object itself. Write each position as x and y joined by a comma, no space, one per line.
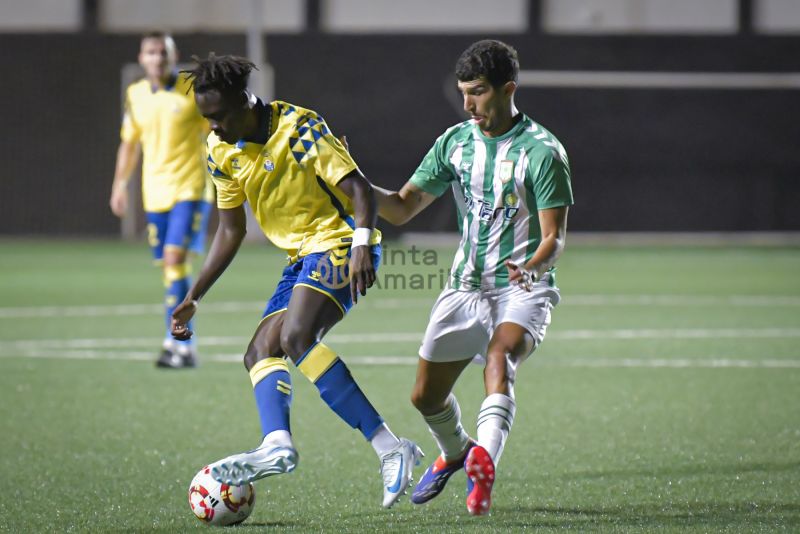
219,504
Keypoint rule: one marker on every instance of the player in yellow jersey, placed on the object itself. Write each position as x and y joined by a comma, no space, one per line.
162,121
310,200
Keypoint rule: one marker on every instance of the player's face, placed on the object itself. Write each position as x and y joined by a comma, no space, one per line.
489,107
226,119
157,57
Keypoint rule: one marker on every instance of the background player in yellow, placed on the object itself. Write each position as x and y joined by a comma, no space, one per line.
310,200
162,121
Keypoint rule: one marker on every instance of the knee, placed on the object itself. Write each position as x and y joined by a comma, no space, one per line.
255,354
498,368
295,341
174,257
417,399
252,356
426,401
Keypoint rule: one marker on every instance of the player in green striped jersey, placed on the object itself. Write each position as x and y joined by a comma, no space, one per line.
511,182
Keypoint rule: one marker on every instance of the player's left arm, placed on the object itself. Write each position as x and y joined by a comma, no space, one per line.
365,207
552,187
553,223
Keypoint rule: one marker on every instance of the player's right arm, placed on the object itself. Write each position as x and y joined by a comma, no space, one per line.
399,207
230,234
127,158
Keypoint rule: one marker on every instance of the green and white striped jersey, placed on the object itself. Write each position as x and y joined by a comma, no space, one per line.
499,185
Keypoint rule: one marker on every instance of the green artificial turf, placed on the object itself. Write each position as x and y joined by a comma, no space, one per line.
666,397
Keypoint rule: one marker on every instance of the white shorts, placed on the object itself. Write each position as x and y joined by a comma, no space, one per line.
462,322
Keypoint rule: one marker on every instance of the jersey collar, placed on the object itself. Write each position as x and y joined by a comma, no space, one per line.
521,121
262,134
169,85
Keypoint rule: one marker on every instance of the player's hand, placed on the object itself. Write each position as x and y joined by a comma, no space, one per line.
119,201
520,276
180,319
362,271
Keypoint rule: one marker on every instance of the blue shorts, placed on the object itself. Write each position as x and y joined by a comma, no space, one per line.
326,272
174,228
198,244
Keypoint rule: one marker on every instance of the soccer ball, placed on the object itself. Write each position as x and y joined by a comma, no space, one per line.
219,504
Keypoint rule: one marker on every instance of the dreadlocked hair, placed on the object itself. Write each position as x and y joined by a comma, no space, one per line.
226,74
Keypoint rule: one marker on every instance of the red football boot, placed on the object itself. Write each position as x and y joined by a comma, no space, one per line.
480,470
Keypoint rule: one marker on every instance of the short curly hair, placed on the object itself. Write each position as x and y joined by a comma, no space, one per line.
226,74
494,60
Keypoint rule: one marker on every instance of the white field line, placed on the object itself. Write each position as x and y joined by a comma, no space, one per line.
677,333
657,363
679,363
211,341
626,300
449,240
23,312
680,300
411,337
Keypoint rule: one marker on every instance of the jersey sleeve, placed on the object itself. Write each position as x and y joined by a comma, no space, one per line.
129,132
229,192
333,161
434,174
552,182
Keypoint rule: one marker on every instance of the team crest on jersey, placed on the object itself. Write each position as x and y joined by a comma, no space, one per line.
268,165
506,171
235,164
511,199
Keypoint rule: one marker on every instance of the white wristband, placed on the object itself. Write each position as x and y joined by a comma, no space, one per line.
361,237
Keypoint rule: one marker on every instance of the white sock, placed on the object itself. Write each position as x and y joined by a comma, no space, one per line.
447,430
494,423
278,438
183,349
383,440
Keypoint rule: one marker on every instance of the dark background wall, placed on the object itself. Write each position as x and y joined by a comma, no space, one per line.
644,160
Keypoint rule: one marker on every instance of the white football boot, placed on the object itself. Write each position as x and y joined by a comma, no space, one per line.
396,468
267,460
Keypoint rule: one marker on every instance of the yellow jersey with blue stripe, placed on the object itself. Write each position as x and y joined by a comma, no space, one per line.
290,181
171,131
